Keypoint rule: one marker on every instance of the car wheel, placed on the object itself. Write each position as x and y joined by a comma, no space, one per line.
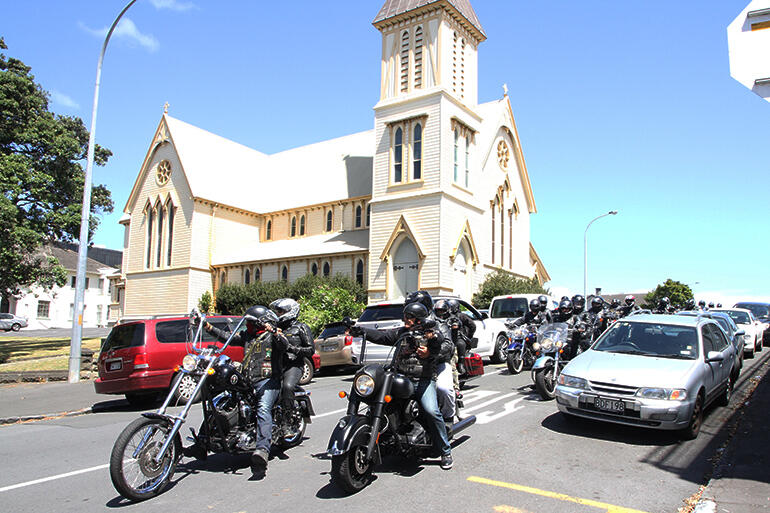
724,399
501,349
696,419
16,326
749,354
307,372
757,345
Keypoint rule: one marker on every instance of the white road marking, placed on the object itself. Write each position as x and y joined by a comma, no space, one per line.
487,403
329,413
477,394
52,478
487,416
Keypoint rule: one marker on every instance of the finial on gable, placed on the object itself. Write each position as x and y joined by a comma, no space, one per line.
165,108
505,90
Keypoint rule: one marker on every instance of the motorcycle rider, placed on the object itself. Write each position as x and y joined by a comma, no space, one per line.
543,299
630,306
259,339
663,306
564,314
533,316
420,364
578,304
702,305
711,305
593,318
689,305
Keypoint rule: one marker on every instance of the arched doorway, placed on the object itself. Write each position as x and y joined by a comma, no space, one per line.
461,272
405,269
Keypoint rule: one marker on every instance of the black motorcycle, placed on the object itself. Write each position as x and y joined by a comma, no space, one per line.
390,423
520,353
146,453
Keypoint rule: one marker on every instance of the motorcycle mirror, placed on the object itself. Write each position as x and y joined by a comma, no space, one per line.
347,321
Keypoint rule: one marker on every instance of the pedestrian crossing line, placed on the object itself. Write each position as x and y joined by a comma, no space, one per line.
487,403
609,508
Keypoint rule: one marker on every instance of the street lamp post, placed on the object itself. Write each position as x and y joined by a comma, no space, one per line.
77,318
585,249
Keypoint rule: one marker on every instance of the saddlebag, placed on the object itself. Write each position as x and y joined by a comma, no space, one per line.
473,365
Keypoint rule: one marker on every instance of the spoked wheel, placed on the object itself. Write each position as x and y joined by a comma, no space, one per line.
291,434
724,399
352,471
186,388
545,382
696,419
515,362
134,472
307,372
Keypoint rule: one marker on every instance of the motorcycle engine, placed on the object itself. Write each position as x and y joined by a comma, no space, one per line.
226,408
411,411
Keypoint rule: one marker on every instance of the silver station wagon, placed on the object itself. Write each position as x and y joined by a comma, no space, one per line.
657,371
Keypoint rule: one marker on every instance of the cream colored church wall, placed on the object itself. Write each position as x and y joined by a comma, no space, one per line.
198,282
156,293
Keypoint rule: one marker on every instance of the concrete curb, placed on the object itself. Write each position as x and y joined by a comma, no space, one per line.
27,418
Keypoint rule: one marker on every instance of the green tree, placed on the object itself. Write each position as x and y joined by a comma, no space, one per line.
42,176
326,304
677,292
204,303
500,282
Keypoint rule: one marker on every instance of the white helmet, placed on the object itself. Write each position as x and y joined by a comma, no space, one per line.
286,309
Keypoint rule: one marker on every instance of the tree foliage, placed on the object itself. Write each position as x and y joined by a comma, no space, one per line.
42,157
204,303
326,304
677,292
500,282
233,299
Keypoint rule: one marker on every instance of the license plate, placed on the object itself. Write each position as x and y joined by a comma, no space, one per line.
328,349
610,405
115,365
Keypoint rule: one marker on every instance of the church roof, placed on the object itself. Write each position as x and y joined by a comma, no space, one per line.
393,8
229,173
352,241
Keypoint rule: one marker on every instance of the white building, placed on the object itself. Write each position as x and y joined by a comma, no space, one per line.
435,197
748,40
54,308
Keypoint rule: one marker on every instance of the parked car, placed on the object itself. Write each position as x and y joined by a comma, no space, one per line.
333,347
138,358
758,309
512,306
13,322
733,332
746,321
491,334
656,371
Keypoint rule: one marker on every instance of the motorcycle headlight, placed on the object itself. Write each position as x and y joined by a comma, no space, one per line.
189,362
559,344
364,385
665,394
546,344
536,346
520,333
573,382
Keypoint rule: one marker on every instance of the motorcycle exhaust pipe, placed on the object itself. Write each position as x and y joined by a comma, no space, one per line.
459,426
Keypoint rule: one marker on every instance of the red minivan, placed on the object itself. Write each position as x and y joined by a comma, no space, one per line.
138,358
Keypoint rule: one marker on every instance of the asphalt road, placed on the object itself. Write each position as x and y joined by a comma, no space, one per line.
522,456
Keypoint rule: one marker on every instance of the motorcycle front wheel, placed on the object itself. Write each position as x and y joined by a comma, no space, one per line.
515,362
352,471
545,383
134,472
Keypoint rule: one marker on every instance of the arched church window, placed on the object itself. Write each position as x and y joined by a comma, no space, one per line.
360,272
368,214
247,277
159,248
405,61
358,216
398,154
327,269
150,218
269,230
302,225
293,226
329,220
456,149
170,240
314,269
418,58
285,273
257,274
417,151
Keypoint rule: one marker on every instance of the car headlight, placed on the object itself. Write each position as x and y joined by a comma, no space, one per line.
666,394
573,382
189,362
364,385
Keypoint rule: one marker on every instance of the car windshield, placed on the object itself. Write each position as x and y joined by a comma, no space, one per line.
723,322
382,313
739,317
757,310
332,331
509,307
661,340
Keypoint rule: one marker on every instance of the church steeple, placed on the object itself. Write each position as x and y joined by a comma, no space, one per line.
429,44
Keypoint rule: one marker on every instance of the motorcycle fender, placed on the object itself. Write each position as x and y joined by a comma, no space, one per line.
349,429
513,346
542,362
306,406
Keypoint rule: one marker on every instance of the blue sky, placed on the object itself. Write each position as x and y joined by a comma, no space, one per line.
619,105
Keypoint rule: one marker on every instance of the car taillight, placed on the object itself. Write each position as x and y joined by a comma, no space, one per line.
140,361
348,340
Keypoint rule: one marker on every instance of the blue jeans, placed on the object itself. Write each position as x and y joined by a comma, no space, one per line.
425,392
267,392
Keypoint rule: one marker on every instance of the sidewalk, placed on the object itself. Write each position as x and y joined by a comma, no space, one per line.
26,401
741,482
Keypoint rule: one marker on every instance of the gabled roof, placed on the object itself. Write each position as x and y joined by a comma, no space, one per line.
68,259
393,8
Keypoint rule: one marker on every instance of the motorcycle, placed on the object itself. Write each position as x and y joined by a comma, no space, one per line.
389,424
552,340
520,353
147,451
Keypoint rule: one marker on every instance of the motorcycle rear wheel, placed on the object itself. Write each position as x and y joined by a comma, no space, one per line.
352,471
545,383
133,470
294,438
515,362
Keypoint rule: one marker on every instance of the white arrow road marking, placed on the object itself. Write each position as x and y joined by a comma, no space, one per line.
487,403
476,395
509,407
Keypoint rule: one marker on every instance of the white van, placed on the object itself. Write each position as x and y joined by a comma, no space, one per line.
512,306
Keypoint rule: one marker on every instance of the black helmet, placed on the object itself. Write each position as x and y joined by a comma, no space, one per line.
454,306
690,304
701,303
578,301
630,300
543,302
597,303
711,305
664,303
563,298
534,306
286,309
615,303
420,296
263,315
441,308
565,307
416,311
719,305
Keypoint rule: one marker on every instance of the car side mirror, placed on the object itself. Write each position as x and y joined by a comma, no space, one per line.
714,356
484,316
740,333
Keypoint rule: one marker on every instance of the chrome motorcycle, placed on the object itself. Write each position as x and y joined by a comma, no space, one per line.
146,453
552,341
520,353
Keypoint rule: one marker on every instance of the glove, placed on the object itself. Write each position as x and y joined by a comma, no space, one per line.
356,331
